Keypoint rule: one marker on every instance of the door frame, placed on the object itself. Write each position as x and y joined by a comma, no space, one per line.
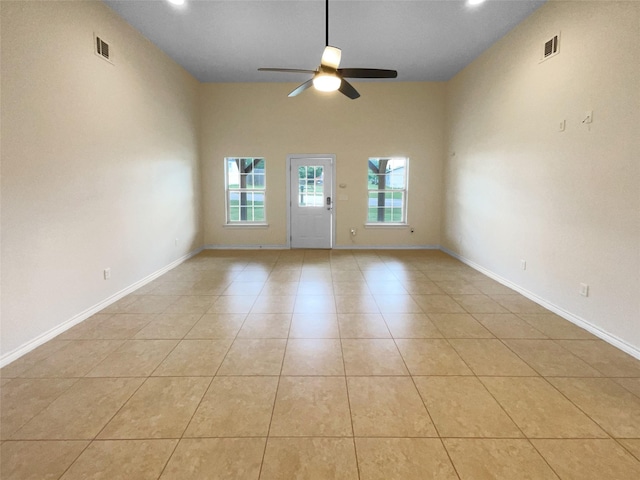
311,157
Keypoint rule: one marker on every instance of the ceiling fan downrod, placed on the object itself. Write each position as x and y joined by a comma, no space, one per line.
328,77
326,17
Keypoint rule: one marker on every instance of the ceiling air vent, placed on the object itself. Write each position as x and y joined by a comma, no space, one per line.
102,49
551,47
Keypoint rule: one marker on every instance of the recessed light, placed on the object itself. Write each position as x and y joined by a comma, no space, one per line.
177,2
474,2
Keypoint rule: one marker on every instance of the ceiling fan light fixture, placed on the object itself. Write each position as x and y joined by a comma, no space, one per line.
326,82
331,57
328,77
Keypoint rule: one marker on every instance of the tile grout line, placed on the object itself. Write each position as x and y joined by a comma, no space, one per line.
203,395
344,367
524,436
424,404
543,377
321,261
477,377
275,399
7,438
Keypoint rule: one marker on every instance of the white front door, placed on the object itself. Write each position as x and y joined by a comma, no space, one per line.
311,207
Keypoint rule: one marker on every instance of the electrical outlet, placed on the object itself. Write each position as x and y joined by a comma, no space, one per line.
107,273
523,264
354,232
584,289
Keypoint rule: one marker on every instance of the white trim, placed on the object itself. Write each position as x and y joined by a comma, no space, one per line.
580,322
245,225
45,337
387,247
239,190
245,247
405,190
336,247
76,319
311,156
386,225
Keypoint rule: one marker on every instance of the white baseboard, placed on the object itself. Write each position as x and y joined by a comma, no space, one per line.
335,247
580,322
76,319
245,247
386,247
45,337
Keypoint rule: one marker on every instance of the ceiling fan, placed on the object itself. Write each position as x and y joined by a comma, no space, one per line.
328,77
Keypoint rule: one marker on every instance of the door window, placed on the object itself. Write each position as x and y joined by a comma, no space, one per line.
311,186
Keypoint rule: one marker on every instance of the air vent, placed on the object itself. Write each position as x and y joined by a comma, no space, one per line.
551,47
102,49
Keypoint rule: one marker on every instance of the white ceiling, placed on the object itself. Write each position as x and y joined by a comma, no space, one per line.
227,40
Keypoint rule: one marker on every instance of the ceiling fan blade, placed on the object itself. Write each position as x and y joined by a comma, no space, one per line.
302,88
331,57
347,89
367,73
286,70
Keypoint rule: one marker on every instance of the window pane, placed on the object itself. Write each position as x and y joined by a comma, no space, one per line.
311,186
257,181
374,164
233,176
246,183
249,217
234,214
246,164
386,184
315,200
376,181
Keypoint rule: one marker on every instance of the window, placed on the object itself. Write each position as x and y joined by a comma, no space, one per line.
245,183
387,190
311,185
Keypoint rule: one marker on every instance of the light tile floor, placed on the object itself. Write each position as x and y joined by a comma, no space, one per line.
322,365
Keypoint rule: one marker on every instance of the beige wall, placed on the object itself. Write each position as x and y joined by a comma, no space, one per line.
99,163
101,168
389,119
566,202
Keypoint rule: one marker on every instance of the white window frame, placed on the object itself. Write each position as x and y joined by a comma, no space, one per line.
404,190
239,191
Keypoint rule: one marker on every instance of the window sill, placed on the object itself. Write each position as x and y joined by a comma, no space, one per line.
246,225
387,225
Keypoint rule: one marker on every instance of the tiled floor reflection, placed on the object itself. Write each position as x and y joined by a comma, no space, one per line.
322,365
